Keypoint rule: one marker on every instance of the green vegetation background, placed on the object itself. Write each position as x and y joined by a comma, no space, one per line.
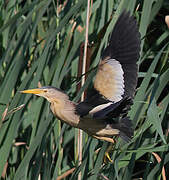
40,43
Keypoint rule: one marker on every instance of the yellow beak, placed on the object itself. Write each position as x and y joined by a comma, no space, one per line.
33,91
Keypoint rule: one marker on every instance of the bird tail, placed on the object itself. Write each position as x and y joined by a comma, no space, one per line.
126,130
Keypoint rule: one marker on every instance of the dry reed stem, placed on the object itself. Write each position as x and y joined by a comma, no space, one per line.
4,114
4,170
82,83
159,160
67,173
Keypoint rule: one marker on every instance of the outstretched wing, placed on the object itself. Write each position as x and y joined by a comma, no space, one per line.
116,78
124,48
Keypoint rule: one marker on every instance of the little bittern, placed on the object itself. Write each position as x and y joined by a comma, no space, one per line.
103,114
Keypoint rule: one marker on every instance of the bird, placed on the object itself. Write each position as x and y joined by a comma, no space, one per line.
104,112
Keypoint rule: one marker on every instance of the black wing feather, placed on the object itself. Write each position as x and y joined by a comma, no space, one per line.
93,99
114,110
124,46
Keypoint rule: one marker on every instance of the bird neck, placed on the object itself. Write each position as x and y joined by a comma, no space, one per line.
65,111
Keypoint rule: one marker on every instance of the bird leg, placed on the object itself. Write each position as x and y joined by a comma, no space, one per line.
104,139
107,156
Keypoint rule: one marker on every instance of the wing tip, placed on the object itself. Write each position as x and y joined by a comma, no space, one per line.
124,38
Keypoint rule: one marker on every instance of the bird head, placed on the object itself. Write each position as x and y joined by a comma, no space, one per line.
48,92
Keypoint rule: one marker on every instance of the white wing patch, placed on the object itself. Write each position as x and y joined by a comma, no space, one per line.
100,107
109,80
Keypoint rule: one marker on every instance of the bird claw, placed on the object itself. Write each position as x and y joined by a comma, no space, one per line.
107,156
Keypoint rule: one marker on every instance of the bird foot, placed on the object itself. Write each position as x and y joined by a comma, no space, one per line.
107,156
